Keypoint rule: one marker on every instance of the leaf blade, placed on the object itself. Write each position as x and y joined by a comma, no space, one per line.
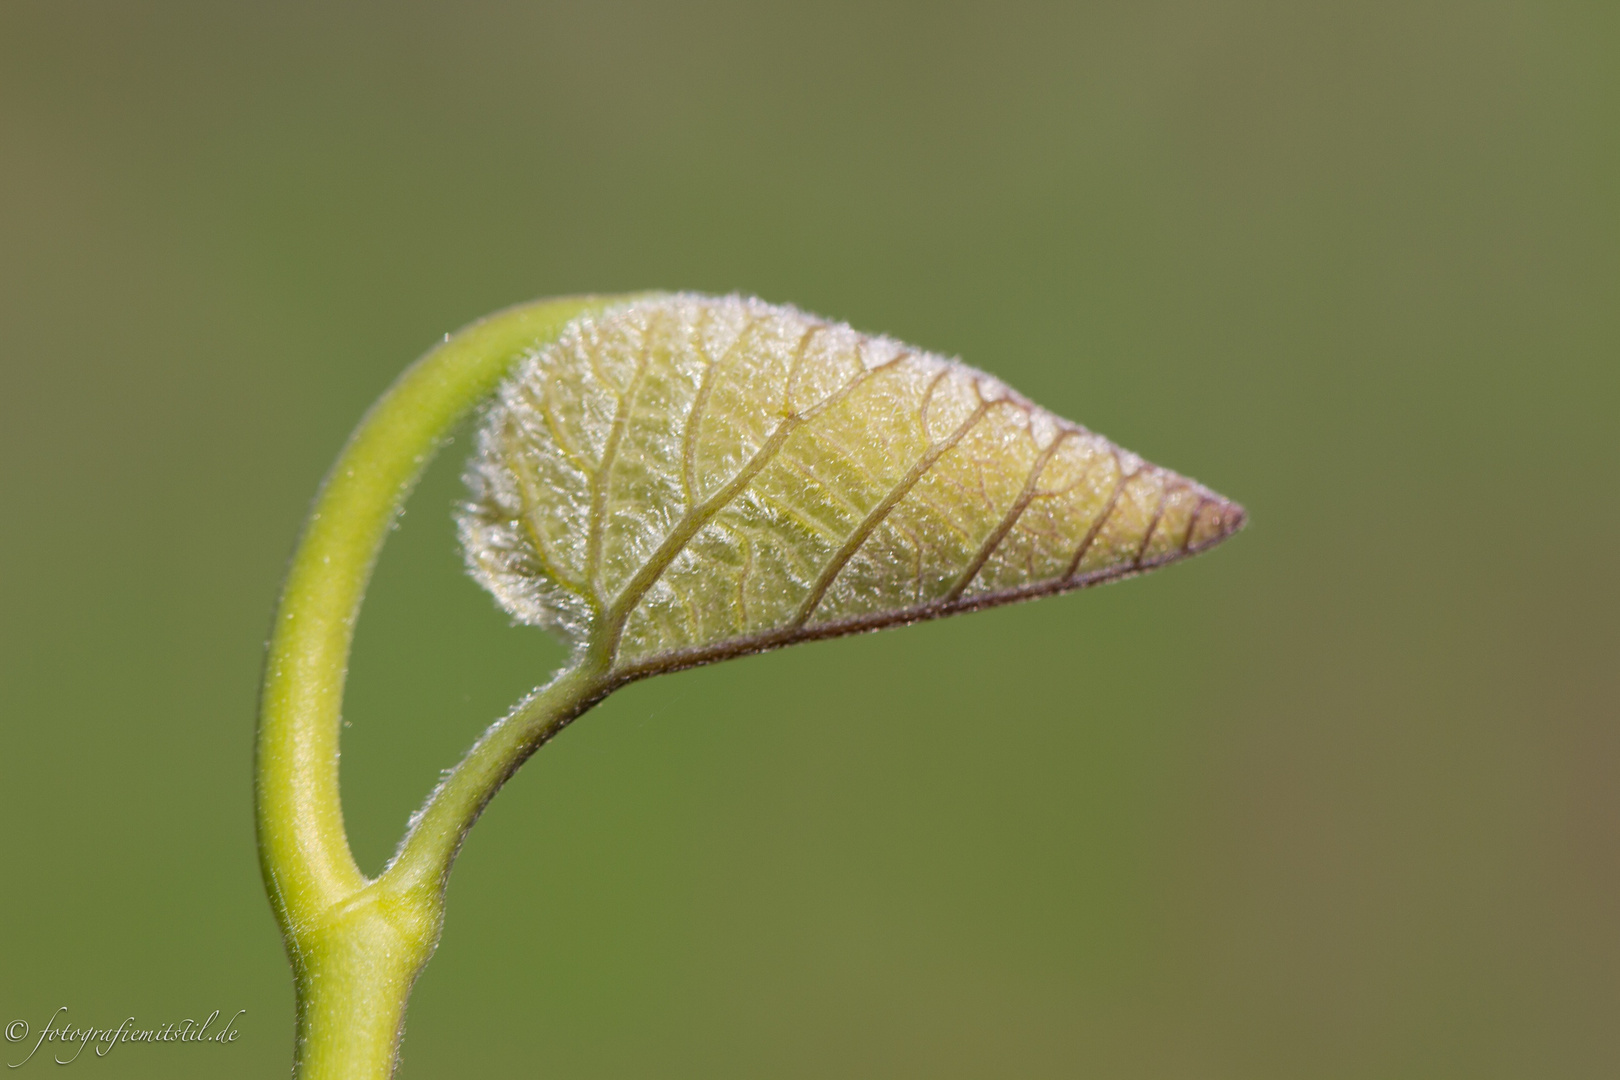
686,478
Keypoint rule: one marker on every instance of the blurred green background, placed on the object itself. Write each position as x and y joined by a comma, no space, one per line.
1341,799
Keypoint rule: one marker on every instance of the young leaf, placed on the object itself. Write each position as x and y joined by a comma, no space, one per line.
685,478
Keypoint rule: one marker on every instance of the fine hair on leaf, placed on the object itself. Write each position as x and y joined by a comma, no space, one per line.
685,478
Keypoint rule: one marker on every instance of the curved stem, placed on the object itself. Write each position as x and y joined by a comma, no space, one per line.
429,848
327,908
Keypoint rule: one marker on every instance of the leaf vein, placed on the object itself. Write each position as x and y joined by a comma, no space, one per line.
610,451
1153,523
1102,518
1008,520
693,656
701,402
824,580
698,516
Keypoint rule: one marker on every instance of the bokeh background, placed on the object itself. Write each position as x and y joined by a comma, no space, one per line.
1341,799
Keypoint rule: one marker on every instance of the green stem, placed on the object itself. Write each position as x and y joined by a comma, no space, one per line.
437,831
357,945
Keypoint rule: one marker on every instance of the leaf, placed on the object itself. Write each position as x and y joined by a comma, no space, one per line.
687,478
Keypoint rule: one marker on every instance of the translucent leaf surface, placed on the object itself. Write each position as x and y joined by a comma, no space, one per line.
688,477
